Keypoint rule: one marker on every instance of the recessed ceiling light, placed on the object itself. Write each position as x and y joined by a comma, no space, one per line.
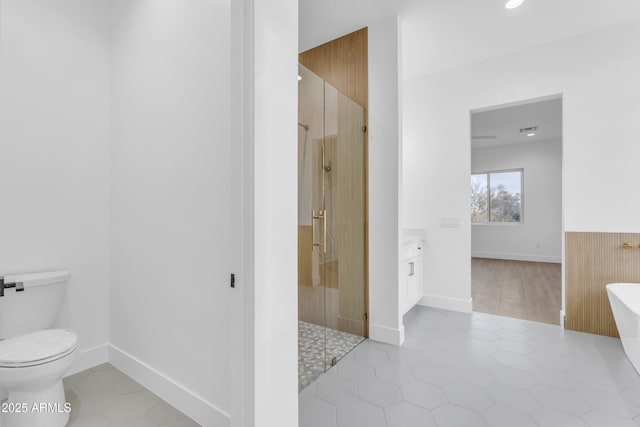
512,4
531,134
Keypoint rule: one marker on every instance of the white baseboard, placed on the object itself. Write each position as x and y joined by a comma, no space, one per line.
453,304
386,335
518,257
183,399
89,358
175,394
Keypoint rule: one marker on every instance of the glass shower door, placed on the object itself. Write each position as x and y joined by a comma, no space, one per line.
311,295
345,213
331,226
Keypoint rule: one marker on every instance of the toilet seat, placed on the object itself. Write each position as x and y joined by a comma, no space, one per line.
37,348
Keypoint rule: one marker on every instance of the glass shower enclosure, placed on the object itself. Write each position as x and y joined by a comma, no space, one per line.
332,226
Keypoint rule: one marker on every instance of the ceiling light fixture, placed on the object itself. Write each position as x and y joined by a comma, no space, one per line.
528,130
531,134
512,4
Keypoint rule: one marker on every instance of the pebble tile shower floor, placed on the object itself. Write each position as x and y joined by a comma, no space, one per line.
105,397
317,345
477,370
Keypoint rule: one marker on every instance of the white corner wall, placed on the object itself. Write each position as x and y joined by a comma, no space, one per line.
596,73
54,151
385,181
171,172
539,237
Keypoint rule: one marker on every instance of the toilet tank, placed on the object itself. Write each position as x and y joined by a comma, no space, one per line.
35,308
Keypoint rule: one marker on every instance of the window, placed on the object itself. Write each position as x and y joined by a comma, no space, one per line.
496,197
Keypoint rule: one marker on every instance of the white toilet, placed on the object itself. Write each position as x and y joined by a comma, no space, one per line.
33,358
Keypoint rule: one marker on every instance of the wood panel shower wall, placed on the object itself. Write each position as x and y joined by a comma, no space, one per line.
343,63
592,260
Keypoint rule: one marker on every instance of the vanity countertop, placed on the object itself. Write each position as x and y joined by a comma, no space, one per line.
412,242
413,235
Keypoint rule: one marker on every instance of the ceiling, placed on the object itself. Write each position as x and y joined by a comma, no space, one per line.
502,126
323,20
439,35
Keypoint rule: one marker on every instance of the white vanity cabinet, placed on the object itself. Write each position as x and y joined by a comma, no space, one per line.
411,274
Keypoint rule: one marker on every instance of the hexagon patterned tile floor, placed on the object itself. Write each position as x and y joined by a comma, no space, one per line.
477,370
105,397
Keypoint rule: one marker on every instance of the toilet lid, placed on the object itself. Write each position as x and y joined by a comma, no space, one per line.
36,348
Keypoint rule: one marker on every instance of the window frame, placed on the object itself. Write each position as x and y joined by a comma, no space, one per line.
488,174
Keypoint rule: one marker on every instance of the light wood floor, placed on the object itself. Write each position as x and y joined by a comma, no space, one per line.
520,289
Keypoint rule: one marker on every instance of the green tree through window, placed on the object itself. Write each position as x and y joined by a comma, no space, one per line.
496,197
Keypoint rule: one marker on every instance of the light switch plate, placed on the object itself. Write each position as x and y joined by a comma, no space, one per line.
449,222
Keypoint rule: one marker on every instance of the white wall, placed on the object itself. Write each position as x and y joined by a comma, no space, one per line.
597,75
539,236
385,173
275,201
54,154
170,200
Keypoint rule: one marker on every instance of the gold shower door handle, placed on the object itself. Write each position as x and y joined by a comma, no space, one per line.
323,216
324,231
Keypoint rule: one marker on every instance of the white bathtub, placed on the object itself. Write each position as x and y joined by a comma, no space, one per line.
625,304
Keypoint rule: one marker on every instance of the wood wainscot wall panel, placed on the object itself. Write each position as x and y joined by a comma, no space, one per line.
594,260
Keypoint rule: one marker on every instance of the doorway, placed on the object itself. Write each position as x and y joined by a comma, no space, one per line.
331,226
516,210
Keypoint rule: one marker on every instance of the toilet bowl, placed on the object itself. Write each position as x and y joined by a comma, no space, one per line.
31,370
33,359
